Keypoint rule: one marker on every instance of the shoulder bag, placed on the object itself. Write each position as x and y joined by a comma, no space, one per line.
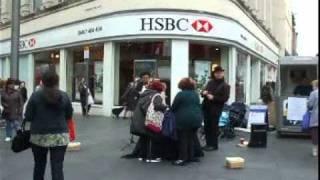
154,118
21,141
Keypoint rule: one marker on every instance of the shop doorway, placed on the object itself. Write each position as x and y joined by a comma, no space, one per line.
79,71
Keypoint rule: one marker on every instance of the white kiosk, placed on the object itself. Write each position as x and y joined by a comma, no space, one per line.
293,72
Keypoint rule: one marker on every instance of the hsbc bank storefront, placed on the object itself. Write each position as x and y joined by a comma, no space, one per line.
168,44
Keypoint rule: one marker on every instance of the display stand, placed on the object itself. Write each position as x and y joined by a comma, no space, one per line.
257,114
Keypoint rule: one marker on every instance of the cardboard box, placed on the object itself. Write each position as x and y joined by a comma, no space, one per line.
235,162
74,146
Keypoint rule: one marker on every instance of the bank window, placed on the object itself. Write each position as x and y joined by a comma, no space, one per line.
48,60
153,57
241,72
79,71
202,59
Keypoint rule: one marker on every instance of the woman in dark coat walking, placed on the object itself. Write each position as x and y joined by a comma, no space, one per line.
12,103
188,114
216,94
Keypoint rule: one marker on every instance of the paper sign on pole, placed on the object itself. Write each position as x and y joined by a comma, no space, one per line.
297,107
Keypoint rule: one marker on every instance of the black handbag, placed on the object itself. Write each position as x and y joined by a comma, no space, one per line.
21,141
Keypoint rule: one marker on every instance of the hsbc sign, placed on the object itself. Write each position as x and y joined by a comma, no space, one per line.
27,43
171,24
202,26
189,26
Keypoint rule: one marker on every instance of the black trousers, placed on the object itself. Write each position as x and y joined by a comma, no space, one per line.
211,127
85,108
186,144
56,160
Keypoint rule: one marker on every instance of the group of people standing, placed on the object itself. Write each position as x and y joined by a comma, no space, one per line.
188,113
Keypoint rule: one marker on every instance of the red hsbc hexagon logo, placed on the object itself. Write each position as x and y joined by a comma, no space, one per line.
32,42
201,25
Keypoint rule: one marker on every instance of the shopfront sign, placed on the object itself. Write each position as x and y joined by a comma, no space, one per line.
202,25
164,24
170,24
90,30
27,43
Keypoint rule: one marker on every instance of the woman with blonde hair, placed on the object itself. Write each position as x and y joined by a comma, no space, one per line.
313,106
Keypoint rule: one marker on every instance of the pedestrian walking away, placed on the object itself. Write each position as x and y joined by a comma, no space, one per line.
215,94
314,121
188,115
12,103
48,111
23,91
85,97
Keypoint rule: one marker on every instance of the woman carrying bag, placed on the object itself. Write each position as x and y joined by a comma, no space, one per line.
147,146
48,111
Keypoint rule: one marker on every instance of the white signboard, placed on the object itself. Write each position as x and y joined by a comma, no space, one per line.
297,107
152,23
257,114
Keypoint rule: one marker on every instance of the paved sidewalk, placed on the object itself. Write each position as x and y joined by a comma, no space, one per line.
102,140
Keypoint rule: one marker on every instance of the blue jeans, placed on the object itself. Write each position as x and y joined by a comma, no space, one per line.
11,125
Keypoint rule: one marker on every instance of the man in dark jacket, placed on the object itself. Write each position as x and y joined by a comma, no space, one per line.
216,94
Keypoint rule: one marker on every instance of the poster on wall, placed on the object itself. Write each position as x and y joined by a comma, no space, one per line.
145,65
202,72
296,108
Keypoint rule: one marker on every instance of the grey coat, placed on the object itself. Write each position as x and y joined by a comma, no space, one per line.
313,105
12,105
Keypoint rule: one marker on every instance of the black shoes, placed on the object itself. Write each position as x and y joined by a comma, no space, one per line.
210,148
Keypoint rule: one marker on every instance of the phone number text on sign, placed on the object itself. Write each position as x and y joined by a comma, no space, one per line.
90,30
